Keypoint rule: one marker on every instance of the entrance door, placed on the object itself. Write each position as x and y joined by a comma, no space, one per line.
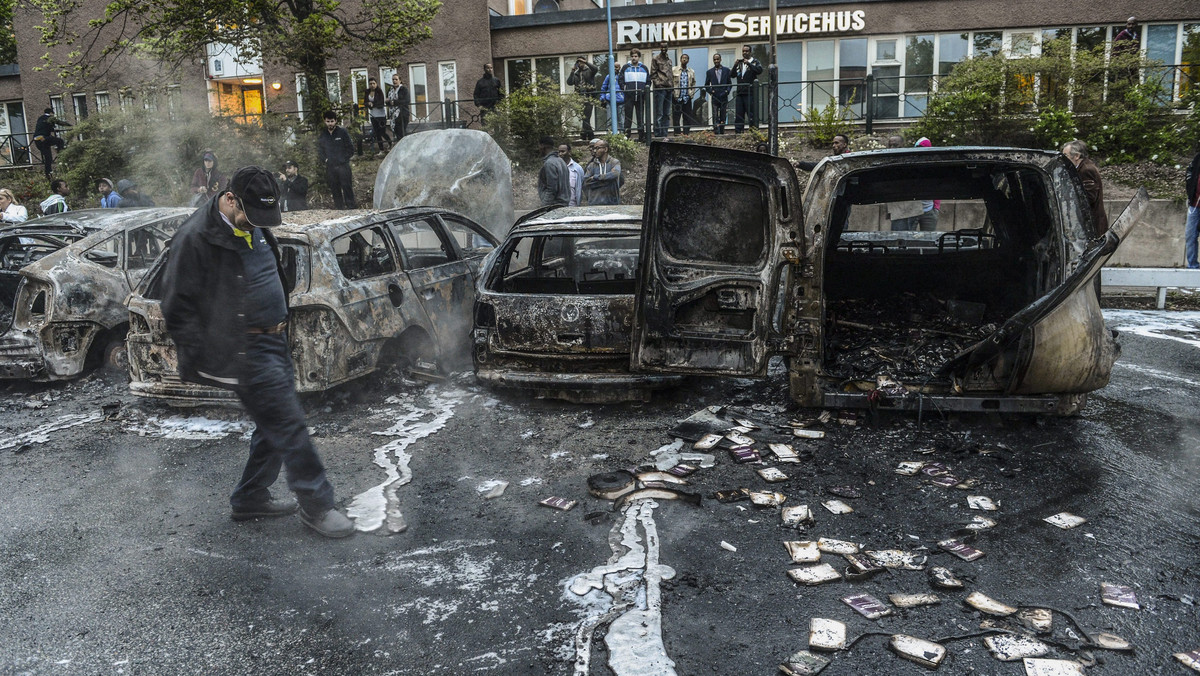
719,228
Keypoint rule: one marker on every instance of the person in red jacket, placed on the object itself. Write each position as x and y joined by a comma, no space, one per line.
1076,151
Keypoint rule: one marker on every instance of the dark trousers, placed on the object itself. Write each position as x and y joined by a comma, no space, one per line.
400,126
380,133
662,111
744,110
588,104
340,185
635,103
44,149
280,437
720,113
484,111
682,109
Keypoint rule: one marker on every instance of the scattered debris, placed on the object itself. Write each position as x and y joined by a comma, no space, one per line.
1065,520
967,484
808,434
826,634
655,490
739,439
1190,659
1044,667
767,498
913,600
925,653
795,516
861,565
1037,619
849,492
743,455
1013,647
837,507
909,468
611,485
960,549
895,558
742,429
804,663
784,453
803,551
982,502
732,495
748,424
728,547
984,603
831,546
815,574
1118,595
981,523
708,441
1111,642
682,470
558,503
944,578
772,475
492,489
934,469
868,606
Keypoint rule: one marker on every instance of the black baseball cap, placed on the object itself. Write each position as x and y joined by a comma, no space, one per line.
258,193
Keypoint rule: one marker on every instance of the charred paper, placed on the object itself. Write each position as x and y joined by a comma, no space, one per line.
1190,659
826,634
831,546
772,475
767,498
868,606
815,574
861,564
784,453
795,516
909,468
913,600
739,439
743,455
849,492
708,441
986,604
895,558
981,523
750,425
1065,520
808,434
1035,666
925,653
803,551
982,502
1037,619
1013,647
1112,642
803,663
732,495
837,507
682,470
558,503
1119,595
960,549
944,578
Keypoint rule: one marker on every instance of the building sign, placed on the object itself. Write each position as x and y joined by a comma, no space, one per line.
739,25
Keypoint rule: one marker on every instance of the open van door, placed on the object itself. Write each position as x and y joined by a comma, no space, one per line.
1058,343
720,227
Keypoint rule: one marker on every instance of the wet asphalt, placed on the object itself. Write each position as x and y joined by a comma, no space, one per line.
120,557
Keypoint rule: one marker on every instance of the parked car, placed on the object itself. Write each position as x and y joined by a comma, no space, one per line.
63,279
555,307
996,310
365,291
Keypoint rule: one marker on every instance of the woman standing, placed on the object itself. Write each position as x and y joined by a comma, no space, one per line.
11,210
376,110
397,100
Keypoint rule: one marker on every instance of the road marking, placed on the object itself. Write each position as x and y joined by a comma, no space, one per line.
41,434
631,581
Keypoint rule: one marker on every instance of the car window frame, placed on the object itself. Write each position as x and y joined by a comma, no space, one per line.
434,221
389,241
451,217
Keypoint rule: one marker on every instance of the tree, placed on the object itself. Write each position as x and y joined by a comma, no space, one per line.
300,33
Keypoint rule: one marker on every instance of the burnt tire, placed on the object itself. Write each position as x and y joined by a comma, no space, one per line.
115,357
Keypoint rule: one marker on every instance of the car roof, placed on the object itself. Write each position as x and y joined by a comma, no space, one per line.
333,227
885,156
91,220
615,217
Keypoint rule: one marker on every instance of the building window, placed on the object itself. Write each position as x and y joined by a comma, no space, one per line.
986,43
918,69
448,76
358,86
821,85
150,100
516,7
174,100
1190,58
79,101
791,73
551,69
418,90
518,72
56,103
1092,38
301,90
333,84
952,50
102,102
125,97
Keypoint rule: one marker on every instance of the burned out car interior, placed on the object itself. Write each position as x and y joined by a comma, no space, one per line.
592,264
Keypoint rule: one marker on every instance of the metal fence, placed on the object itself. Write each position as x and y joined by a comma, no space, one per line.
18,151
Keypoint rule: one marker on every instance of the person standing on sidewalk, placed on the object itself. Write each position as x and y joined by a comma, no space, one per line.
1190,230
334,149
1076,151
662,78
488,93
376,104
225,306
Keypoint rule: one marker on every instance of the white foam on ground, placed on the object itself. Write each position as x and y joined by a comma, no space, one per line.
626,593
371,508
183,427
41,434
1183,327
1158,373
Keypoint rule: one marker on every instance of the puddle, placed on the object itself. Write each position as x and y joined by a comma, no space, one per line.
1183,327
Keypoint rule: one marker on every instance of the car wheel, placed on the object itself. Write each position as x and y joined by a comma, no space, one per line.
1070,405
116,356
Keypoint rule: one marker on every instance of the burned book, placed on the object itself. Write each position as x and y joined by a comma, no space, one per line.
925,653
803,663
824,634
732,495
960,549
818,573
1118,595
868,606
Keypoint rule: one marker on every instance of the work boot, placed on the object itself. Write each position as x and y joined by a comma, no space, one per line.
331,523
271,507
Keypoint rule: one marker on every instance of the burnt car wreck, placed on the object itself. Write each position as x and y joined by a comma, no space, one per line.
994,311
63,279
365,291
554,313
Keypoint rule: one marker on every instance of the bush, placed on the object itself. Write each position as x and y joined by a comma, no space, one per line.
531,112
1138,130
1054,127
622,147
825,123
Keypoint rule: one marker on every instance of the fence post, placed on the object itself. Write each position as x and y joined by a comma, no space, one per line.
870,103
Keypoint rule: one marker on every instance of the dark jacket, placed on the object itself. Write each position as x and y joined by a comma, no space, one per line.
487,92
1193,175
583,80
203,295
749,72
335,148
44,129
1094,186
716,83
293,193
375,99
554,181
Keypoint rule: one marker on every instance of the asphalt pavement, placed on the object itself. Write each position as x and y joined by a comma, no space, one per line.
120,557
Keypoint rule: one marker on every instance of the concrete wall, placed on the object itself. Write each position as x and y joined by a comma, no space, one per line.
1157,242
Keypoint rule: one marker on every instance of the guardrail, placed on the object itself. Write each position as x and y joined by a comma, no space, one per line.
1151,278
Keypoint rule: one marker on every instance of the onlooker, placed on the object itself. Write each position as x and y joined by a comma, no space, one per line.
131,196
376,104
607,88
662,77
487,93
11,210
717,83
575,172
226,307
293,188
684,80
839,145
634,79
1192,228
45,136
927,219
1076,151
583,79
746,70
553,182
56,203
334,149
397,99
207,181
1126,41
109,198
602,179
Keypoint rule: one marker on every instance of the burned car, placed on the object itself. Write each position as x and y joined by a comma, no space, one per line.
364,291
63,279
995,310
555,307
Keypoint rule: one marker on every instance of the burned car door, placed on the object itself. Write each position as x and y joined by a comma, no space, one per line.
1058,343
440,278
144,245
720,228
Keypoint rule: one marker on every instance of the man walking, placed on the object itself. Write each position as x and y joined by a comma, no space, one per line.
46,138
225,306
685,88
583,79
602,179
1192,229
716,84
487,93
334,149
574,172
746,70
1076,152
293,188
56,203
662,77
553,183
634,79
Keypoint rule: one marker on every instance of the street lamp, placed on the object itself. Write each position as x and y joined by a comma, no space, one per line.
612,74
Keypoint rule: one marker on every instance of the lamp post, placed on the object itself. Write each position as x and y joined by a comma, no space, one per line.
773,88
612,74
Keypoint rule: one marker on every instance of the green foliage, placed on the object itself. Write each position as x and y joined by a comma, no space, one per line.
161,155
968,108
622,147
1054,127
825,123
1138,130
8,39
531,112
